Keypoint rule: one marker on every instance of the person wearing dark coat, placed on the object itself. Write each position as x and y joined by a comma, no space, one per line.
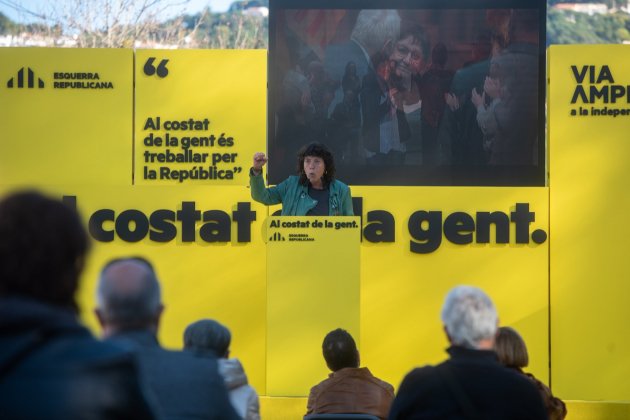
129,310
208,338
50,366
471,384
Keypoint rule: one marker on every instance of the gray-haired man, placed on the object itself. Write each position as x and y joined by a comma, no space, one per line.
129,310
471,384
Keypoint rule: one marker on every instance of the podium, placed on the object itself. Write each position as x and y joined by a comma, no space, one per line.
313,287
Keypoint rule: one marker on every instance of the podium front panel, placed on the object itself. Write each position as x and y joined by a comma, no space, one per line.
313,287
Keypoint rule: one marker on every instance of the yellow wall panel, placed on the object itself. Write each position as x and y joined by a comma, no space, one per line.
223,92
589,203
69,130
402,292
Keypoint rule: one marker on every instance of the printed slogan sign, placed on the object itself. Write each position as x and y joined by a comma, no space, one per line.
589,122
66,116
313,287
597,93
195,124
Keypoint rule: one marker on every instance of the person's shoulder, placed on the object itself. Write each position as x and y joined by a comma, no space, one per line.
85,349
159,358
232,372
339,185
290,182
518,382
420,384
419,377
422,372
108,349
316,390
382,384
190,359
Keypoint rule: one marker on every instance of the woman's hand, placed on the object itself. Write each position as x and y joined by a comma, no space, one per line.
477,99
259,161
452,101
492,87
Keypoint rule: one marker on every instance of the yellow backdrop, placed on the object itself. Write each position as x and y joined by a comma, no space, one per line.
589,201
85,142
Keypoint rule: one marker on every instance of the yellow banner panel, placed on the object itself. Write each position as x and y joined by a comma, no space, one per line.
312,289
589,111
418,243
198,243
66,116
199,115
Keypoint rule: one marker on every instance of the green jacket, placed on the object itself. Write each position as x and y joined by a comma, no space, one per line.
295,199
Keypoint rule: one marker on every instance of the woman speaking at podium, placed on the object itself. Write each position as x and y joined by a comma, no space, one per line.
313,192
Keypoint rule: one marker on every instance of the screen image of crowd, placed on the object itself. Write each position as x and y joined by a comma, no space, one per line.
440,96
52,367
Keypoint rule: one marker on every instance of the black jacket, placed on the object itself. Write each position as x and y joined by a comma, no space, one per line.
52,368
184,386
493,391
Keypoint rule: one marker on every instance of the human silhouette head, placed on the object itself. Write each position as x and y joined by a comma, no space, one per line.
511,348
43,246
128,296
340,350
208,336
470,318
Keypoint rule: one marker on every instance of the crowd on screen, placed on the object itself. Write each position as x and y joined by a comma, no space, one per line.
51,367
391,94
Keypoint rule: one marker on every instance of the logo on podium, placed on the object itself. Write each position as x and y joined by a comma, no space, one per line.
276,237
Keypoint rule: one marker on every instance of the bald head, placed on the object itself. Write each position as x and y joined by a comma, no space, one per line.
128,296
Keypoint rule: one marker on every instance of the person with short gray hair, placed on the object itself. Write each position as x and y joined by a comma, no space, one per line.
374,32
128,295
469,317
375,28
471,383
129,307
373,35
208,338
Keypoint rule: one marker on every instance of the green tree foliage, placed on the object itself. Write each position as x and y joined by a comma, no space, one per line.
228,30
609,3
7,26
566,27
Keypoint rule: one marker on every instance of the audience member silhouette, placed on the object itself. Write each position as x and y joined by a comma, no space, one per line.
349,388
461,137
512,352
208,338
515,72
435,83
472,383
50,366
129,310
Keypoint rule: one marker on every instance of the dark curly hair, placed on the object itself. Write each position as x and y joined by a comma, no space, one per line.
318,150
43,245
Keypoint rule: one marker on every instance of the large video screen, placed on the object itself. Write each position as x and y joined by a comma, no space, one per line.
410,93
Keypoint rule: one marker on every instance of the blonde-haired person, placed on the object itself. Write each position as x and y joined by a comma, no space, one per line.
512,352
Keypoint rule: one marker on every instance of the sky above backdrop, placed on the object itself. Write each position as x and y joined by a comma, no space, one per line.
17,10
